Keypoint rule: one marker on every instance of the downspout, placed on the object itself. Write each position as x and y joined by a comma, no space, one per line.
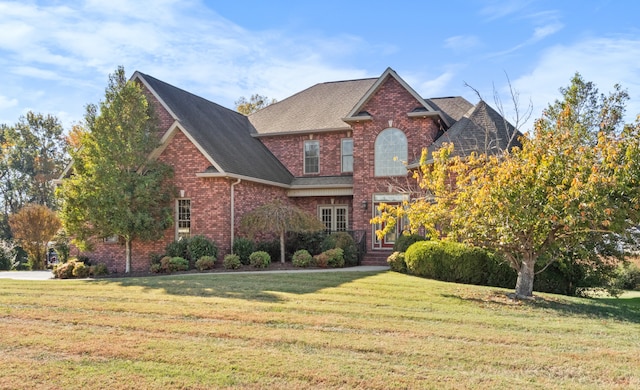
233,212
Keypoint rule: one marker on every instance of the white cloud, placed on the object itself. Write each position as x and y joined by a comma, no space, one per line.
546,30
5,102
462,42
438,86
604,61
499,8
181,42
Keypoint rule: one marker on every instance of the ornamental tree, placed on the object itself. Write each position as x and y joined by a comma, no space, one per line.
33,227
279,218
115,188
575,179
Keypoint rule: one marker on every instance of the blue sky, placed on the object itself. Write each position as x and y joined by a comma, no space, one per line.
55,56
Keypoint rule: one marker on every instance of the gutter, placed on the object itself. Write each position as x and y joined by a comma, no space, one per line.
233,212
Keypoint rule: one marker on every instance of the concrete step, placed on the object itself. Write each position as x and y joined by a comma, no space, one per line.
376,258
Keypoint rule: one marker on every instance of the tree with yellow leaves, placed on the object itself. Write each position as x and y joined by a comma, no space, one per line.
574,181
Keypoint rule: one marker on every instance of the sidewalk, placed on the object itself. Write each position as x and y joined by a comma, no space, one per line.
47,275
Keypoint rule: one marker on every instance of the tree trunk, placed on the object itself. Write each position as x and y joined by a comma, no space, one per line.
526,273
127,255
282,247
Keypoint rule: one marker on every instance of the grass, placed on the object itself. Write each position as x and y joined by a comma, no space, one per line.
309,330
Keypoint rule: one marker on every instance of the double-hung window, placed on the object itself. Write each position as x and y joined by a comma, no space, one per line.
311,157
183,218
346,153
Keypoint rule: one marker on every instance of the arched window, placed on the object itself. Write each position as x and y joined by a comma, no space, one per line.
391,153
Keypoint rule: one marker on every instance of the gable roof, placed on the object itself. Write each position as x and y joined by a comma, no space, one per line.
453,108
223,135
481,129
317,108
390,73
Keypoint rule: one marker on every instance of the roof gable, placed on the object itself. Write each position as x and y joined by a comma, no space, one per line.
482,130
222,135
358,107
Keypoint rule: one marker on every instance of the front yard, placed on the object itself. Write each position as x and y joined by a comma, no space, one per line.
309,330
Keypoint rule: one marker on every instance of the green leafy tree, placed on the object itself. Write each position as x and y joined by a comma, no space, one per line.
33,227
115,188
256,102
32,154
573,182
279,218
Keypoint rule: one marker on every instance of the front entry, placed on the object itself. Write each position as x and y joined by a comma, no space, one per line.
389,239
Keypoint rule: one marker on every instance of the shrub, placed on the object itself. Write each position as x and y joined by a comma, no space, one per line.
199,246
344,241
335,257
404,241
271,247
448,261
164,264
627,277
99,269
310,241
302,258
231,261
178,264
243,247
396,262
177,248
321,260
6,255
155,268
154,258
83,259
205,262
80,270
64,270
260,259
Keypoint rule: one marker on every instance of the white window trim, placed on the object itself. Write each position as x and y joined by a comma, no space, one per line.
377,168
342,155
304,157
333,208
177,216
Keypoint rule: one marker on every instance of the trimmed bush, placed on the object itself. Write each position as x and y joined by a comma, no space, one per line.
448,261
156,268
271,247
80,270
178,264
231,261
205,263
310,241
164,264
99,269
200,246
404,241
243,247
321,260
260,259
177,248
344,241
396,262
335,258
302,258
64,270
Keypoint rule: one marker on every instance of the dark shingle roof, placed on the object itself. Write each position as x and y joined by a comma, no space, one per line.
320,107
481,129
323,181
453,107
225,135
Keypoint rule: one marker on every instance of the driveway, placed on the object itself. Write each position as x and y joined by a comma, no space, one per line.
26,275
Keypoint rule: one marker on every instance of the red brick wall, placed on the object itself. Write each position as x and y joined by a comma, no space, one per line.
390,102
289,149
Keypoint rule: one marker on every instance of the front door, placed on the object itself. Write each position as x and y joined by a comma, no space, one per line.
389,239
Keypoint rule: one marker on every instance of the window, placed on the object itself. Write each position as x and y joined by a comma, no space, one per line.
391,153
183,225
111,239
335,218
311,157
347,154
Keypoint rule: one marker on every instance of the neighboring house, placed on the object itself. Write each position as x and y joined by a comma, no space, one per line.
335,149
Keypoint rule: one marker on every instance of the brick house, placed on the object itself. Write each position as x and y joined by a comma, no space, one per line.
336,149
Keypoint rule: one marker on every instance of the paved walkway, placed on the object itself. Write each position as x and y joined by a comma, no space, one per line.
47,275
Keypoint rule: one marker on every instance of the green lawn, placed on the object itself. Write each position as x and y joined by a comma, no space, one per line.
309,330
